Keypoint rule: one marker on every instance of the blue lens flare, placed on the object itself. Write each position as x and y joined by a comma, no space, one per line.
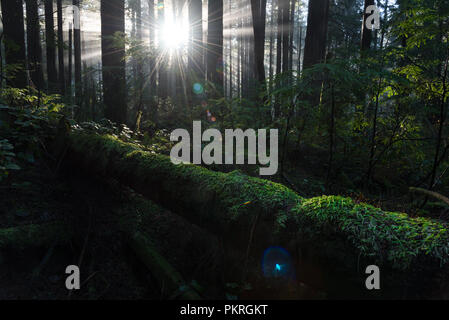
198,88
277,263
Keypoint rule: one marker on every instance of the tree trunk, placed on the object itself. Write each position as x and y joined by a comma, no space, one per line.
196,47
77,47
162,85
317,22
152,34
258,9
14,40
113,59
52,72
299,49
215,46
285,34
140,81
70,63
279,39
230,51
366,32
292,34
34,44
61,48
271,46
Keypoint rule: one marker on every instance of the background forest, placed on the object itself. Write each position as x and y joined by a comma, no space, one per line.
361,112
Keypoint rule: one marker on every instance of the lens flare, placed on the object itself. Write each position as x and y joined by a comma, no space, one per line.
277,263
198,88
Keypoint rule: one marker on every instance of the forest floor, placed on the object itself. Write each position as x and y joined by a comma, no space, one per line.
37,197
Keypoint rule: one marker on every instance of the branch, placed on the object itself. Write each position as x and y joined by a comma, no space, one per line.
430,193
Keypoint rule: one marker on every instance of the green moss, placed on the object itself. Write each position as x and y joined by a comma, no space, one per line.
389,238
33,236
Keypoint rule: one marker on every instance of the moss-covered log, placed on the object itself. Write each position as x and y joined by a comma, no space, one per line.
336,227
33,235
221,202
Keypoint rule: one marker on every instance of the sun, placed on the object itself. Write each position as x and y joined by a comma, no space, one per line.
175,35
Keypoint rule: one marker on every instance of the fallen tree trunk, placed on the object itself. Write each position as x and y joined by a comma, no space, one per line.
169,279
222,203
193,251
345,232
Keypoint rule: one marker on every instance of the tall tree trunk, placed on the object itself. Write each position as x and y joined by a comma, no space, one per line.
299,48
14,40
152,34
240,53
258,8
162,72
279,42
61,48
285,34
215,45
70,62
230,50
113,59
279,38
139,20
442,120
317,23
291,34
34,44
196,48
77,47
139,69
271,46
366,32
52,72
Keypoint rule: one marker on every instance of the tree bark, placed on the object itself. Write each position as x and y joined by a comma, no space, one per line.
61,48
271,46
14,40
151,23
215,46
366,32
317,23
113,59
285,34
196,47
50,36
70,62
162,70
279,38
77,52
34,44
258,9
